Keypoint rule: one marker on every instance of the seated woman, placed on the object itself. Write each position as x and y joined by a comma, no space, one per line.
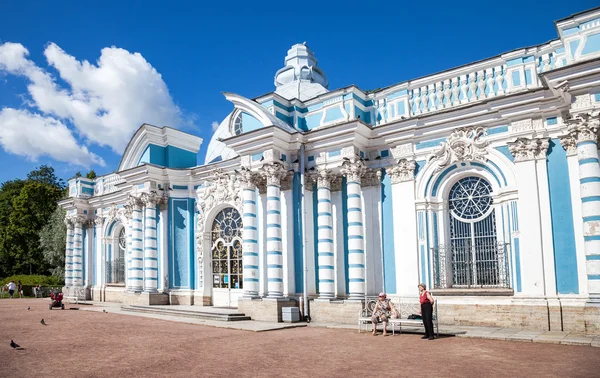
381,313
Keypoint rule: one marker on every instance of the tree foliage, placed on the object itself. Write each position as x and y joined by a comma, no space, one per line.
53,238
25,208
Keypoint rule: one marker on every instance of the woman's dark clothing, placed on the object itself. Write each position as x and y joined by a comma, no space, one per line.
427,313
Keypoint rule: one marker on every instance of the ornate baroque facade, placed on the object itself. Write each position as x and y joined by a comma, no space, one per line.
482,182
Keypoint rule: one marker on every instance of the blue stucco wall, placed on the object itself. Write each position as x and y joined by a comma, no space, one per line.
169,156
389,257
563,232
181,235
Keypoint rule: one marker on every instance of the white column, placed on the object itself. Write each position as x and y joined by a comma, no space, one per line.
164,250
405,227
274,173
287,224
338,238
584,129
69,253
261,215
136,268
546,225
371,198
250,251
89,248
77,259
525,151
324,236
354,169
150,243
99,222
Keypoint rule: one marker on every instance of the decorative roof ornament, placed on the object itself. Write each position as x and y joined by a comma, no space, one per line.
300,78
464,144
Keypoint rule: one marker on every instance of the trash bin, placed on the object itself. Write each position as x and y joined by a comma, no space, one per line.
290,314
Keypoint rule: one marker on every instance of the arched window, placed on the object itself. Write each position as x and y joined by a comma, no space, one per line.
115,262
474,255
227,250
237,125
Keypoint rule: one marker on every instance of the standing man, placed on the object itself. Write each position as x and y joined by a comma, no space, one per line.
11,288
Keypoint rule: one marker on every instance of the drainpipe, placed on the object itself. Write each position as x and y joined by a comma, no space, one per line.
304,258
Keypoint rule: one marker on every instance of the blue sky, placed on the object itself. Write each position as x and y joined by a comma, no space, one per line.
199,49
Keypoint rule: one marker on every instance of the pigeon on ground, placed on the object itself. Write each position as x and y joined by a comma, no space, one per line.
14,345
103,310
43,322
28,308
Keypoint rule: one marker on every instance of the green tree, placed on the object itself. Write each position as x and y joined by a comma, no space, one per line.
53,242
9,190
25,208
91,175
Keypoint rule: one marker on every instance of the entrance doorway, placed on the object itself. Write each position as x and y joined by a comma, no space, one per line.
226,252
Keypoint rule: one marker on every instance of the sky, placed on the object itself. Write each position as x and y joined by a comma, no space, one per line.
78,78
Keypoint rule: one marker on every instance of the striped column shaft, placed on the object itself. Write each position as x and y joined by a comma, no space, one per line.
356,249
589,184
274,244
129,252
325,237
77,260
136,268
150,248
250,248
69,255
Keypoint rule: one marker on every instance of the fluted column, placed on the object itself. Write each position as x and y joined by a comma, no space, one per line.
136,267
326,264
150,243
69,253
250,249
273,174
77,256
584,129
98,223
354,169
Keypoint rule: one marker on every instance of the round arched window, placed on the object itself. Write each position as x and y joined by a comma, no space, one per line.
470,198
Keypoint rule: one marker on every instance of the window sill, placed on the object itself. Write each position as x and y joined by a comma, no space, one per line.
473,292
115,285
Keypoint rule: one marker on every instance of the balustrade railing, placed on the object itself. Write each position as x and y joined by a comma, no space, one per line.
483,265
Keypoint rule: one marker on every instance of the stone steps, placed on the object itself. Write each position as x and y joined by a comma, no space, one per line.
200,314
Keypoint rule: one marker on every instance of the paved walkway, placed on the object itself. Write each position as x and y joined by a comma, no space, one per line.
493,333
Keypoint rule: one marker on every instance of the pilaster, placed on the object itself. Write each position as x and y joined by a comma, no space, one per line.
324,235
135,271
402,177
77,255
250,249
98,276
525,152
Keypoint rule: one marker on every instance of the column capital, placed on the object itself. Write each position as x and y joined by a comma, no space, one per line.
324,178
273,173
353,168
524,149
569,143
247,178
150,199
69,222
99,221
78,220
584,127
372,177
403,171
134,203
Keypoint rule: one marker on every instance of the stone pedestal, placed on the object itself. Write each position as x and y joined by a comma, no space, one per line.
265,309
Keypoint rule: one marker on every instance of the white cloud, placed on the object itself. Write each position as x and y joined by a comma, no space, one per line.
104,102
32,136
214,126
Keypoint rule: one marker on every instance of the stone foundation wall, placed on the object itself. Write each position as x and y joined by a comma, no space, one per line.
265,309
181,298
334,311
202,300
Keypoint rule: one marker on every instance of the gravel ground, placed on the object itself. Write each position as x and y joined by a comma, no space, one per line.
96,344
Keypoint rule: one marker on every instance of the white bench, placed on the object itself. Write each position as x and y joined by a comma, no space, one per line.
405,309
